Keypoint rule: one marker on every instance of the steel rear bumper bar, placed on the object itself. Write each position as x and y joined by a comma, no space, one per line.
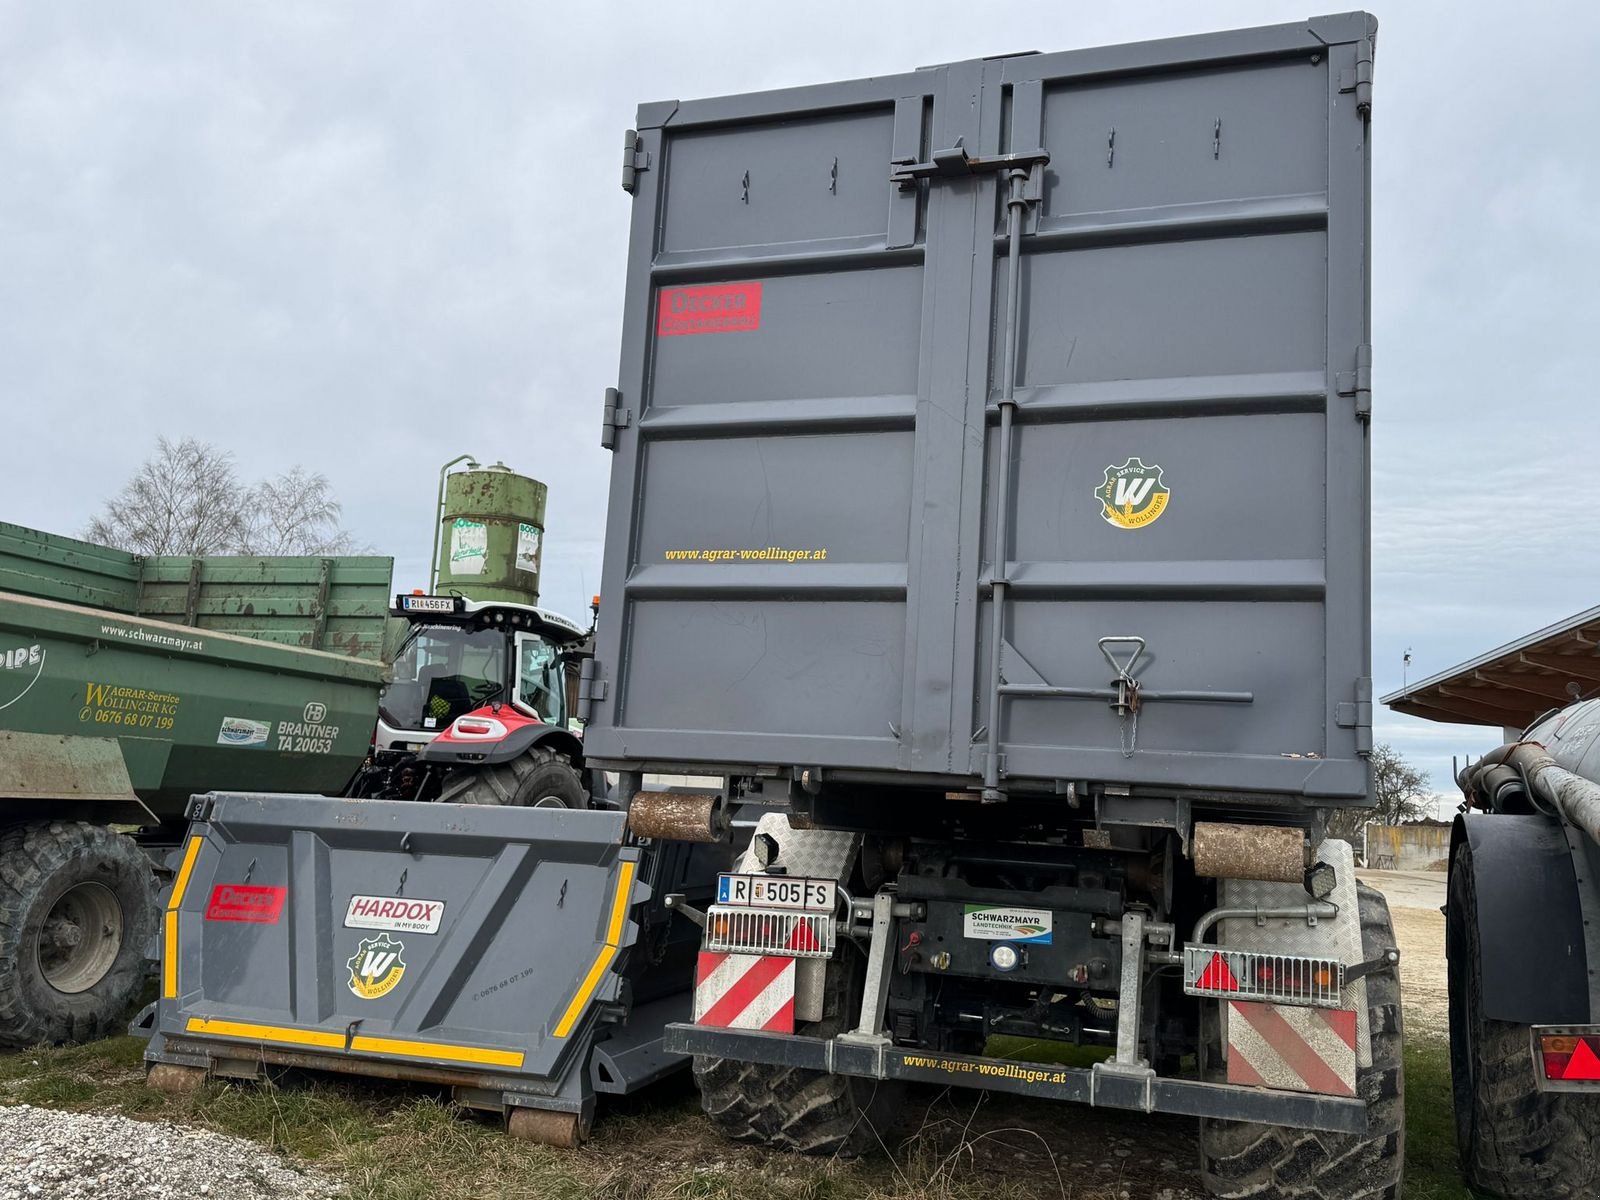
1103,1087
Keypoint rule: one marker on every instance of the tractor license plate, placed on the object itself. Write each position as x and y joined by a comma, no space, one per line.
777,891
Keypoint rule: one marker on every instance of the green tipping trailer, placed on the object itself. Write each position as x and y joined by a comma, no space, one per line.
110,716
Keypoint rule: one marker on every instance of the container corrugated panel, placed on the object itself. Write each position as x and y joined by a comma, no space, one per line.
800,556
338,603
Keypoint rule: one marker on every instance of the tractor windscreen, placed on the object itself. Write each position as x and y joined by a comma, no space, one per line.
442,672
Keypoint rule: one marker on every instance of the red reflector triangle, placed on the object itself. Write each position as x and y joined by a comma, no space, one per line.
1217,977
803,937
1584,1064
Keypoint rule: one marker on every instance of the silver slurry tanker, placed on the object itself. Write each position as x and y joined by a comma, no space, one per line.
989,496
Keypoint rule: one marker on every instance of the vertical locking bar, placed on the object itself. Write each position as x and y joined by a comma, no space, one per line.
1016,204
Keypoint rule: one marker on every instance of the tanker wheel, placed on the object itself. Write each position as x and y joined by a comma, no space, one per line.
790,1108
1274,1162
537,779
1514,1140
563,1130
77,909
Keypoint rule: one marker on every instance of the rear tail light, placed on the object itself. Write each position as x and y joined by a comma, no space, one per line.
1251,975
1568,1056
769,931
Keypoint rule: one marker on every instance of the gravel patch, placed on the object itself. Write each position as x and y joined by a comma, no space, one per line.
45,1155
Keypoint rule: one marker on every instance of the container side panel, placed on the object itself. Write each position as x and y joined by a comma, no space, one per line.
1166,138
736,500
779,181
1174,310
767,666
839,333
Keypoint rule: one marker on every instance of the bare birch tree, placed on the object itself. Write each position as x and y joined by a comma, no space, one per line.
187,499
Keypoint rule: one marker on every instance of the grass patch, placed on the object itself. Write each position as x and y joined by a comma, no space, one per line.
401,1142
1432,1170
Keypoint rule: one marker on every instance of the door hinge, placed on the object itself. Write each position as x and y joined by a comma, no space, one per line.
612,418
1358,383
591,688
635,158
1357,715
1358,79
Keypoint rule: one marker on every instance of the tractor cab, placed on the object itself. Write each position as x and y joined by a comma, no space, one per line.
463,658
461,655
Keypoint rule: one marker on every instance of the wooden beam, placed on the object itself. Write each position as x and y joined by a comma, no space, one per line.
1573,666
1533,685
1483,698
1430,710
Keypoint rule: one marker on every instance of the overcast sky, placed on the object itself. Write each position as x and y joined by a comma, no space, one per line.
366,237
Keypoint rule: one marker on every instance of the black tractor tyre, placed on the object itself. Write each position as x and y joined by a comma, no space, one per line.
537,779
1514,1140
77,913
799,1110
1275,1162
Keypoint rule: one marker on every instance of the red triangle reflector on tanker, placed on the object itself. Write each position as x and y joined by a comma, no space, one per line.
1584,1063
803,937
1217,977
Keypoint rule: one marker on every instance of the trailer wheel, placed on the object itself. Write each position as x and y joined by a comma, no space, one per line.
77,910
537,779
1273,1162
788,1108
1514,1140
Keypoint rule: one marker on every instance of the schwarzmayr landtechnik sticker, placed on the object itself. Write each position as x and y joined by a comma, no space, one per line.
1004,923
1132,496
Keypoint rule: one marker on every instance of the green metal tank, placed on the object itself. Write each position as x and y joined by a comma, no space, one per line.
493,535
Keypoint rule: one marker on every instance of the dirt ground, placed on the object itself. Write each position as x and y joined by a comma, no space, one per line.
1415,898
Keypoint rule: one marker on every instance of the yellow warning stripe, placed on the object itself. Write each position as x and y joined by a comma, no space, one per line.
323,1040
169,956
619,914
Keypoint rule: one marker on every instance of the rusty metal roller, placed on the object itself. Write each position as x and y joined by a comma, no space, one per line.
1268,852
678,816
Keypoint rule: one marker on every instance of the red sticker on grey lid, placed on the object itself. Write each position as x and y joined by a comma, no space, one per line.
246,902
712,308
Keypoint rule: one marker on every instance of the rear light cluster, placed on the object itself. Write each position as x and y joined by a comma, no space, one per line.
1569,1056
1251,975
769,931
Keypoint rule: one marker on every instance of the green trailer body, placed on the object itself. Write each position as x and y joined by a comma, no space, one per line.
337,603
204,672
192,709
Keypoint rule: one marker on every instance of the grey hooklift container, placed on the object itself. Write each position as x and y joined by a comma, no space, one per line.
486,948
817,383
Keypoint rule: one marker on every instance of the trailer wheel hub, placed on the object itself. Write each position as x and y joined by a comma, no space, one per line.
80,938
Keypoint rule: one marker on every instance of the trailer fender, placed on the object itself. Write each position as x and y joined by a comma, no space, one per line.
1529,919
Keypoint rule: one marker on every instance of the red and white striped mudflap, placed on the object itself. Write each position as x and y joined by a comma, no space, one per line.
745,991
1298,1048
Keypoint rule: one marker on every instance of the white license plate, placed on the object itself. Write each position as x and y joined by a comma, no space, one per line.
776,891
432,604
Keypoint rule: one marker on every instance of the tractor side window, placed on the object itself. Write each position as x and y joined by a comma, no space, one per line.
540,679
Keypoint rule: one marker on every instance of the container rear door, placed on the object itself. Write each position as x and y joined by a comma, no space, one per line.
800,557
795,376
1187,468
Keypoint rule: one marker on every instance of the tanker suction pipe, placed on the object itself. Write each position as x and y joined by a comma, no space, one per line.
1574,797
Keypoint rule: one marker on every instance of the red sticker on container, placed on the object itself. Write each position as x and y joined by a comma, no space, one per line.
715,308
246,902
